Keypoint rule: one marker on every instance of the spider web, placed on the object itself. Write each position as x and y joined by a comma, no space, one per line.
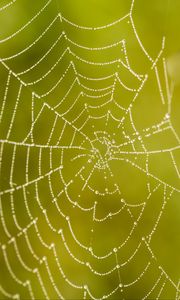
75,129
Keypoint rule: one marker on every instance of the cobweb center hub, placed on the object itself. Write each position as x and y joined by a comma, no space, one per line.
102,152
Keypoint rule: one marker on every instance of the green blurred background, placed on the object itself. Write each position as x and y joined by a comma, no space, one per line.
40,167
